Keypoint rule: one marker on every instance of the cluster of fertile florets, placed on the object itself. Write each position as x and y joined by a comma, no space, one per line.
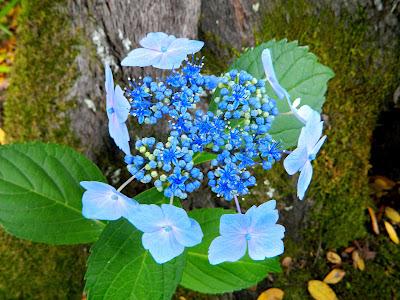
237,132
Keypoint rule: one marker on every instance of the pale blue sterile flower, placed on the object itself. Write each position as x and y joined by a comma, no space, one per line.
273,81
167,230
118,108
308,146
161,51
101,201
256,230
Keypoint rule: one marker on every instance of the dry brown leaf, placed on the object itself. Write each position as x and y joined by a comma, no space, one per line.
334,276
374,222
2,137
333,257
392,214
271,294
392,233
358,262
320,290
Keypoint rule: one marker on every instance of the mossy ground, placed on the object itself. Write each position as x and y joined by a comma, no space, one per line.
35,109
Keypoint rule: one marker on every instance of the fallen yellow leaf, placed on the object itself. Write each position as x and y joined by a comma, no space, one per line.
320,290
333,257
383,183
374,222
2,137
392,214
392,233
271,294
334,276
358,262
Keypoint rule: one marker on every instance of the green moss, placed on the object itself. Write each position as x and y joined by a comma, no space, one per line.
366,75
364,79
35,109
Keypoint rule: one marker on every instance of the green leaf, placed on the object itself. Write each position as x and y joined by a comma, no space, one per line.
200,276
40,195
119,267
202,157
299,72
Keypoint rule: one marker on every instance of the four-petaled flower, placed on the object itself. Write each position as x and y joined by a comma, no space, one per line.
101,201
256,230
118,108
167,230
310,142
161,51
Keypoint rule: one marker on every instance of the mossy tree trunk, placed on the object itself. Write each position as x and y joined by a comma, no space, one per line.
57,94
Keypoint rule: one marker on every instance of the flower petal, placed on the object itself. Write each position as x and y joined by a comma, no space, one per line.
270,73
109,83
191,236
318,146
142,57
162,245
264,246
227,248
310,133
156,40
304,179
263,217
234,224
295,160
119,132
184,46
175,216
103,202
121,105
147,218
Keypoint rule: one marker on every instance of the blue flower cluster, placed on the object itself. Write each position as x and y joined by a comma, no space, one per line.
237,132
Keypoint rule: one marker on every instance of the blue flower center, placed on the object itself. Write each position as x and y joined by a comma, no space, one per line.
167,228
111,110
311,157
248,236
114,197
164,49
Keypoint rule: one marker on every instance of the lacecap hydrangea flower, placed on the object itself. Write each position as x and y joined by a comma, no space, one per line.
101,201
167,230
255,231
161,51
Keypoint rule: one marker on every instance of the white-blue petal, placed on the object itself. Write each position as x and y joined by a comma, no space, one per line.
318,146
295,160
264,246
304,179
142,57
264,217
306,112
162,245
227,248
147,218
310,133
176,216
234,224
119,132
155,40
270,73
121,105
191,236
183,46
103,202
109,83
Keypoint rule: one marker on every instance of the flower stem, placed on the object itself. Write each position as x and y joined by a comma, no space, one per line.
128,181
171,200
237,205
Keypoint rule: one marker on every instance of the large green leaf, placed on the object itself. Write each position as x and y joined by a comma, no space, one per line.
40,196
119,267
299,72
200,276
